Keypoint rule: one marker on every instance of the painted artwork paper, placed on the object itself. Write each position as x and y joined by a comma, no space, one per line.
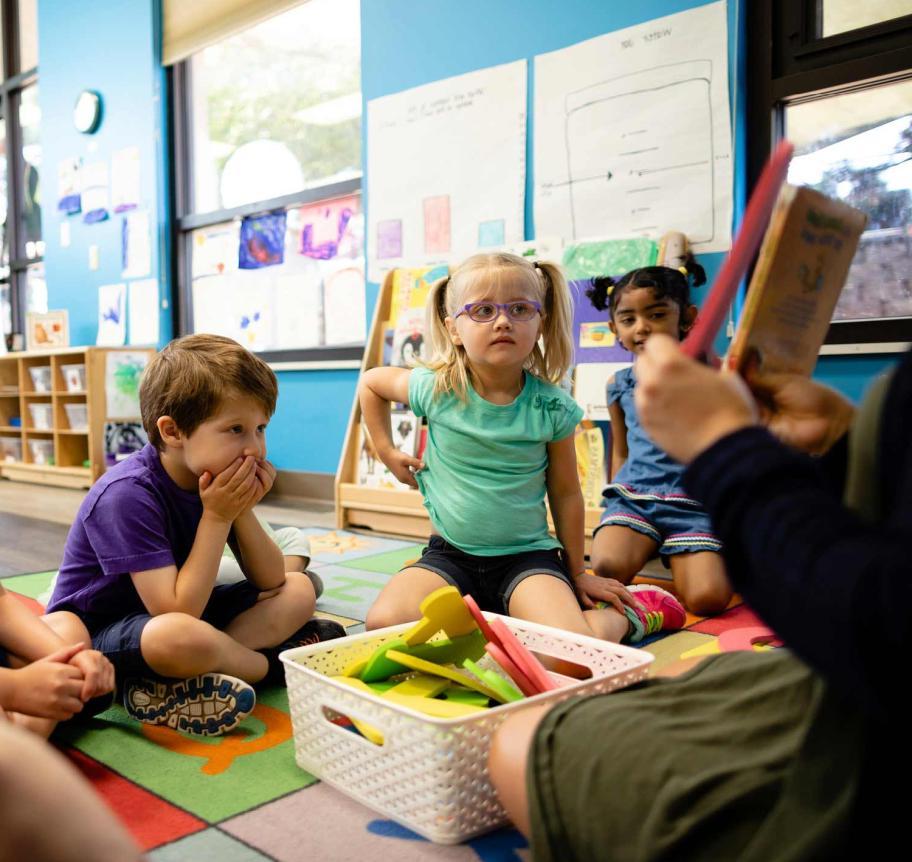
215,249
411,286
94,190
69,201
262,241
593,341
327,228
298,303
446,168
112,317
123,371
142,312
125,179
633,134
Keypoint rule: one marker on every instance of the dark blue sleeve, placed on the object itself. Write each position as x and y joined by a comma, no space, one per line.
836,589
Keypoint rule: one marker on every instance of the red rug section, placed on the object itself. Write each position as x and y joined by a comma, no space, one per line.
151,820
740,617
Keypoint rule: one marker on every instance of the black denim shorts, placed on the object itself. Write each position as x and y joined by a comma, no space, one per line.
490,580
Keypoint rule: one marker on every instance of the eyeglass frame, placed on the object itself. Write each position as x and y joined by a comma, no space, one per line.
500,306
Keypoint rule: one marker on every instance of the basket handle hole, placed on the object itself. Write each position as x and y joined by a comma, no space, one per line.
353,725
563,666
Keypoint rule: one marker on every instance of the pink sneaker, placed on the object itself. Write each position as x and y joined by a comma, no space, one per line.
663,611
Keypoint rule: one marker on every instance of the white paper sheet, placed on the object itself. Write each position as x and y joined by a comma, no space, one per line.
633,135
589,382
299,308
344,314
112,318
93,179
125,179
136,245
123,370
446,168
142,312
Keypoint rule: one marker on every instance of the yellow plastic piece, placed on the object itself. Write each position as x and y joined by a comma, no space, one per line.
449,673
434,707
366,730
443,609
423,685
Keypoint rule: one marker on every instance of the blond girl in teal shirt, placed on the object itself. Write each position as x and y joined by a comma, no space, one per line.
501,435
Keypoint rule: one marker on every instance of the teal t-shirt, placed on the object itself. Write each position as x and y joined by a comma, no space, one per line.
484,476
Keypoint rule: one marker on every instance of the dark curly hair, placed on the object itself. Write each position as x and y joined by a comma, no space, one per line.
665,282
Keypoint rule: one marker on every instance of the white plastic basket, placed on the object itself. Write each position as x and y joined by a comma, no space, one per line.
430,774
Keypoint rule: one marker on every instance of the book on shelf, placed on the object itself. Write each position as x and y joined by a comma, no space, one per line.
801,269
372,472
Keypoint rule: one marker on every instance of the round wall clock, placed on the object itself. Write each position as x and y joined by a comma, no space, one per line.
87,112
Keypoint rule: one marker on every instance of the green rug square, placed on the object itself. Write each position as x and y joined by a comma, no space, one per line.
387,563
211,777
29,585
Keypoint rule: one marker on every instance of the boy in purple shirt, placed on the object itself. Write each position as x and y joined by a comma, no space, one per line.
142,557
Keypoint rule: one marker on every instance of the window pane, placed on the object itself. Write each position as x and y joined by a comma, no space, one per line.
28,34
277,108
6,313
858,147
30,123
36,292
4,203
842,15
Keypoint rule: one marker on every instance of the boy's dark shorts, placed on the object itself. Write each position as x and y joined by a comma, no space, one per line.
119,641
490,580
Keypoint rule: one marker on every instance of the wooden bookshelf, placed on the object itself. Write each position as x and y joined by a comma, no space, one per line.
46,447
388,510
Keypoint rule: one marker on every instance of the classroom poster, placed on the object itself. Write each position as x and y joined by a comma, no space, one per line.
590,382
446,169
633,133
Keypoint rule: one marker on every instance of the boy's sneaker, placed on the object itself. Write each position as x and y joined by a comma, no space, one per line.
313,631
663,612
207,705
317,582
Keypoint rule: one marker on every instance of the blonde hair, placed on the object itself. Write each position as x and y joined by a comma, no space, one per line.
552,355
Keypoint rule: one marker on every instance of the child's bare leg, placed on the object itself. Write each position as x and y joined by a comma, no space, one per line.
295,563
399,600
619,552
181,646
272,620
701,582
550,601
507,761
38,783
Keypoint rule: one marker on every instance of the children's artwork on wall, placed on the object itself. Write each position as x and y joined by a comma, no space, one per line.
215,249
48,330
123,371
411,287
327,228
608,257
135,244
112,318
69,200
142,312
121,440
125,179
298,307
389,239
262,241
344,312
593,340
437,224
633,134
491,233
442,159
94,191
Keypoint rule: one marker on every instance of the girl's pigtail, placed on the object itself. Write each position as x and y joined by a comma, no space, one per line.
434,315
553,362
447,360
694,270
600,292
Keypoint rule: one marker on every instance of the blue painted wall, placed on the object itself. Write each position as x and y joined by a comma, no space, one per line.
108,45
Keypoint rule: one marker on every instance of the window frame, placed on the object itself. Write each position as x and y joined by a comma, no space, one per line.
11,87
790,65
185,221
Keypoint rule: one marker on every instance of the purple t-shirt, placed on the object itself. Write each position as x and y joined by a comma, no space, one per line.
134,518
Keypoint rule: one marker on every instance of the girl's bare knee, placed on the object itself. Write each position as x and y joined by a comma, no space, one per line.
704,599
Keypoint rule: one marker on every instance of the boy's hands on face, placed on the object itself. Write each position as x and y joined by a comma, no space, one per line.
50,687
232,492
97,673
266,475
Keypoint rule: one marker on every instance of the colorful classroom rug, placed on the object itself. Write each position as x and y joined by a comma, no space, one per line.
241,797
